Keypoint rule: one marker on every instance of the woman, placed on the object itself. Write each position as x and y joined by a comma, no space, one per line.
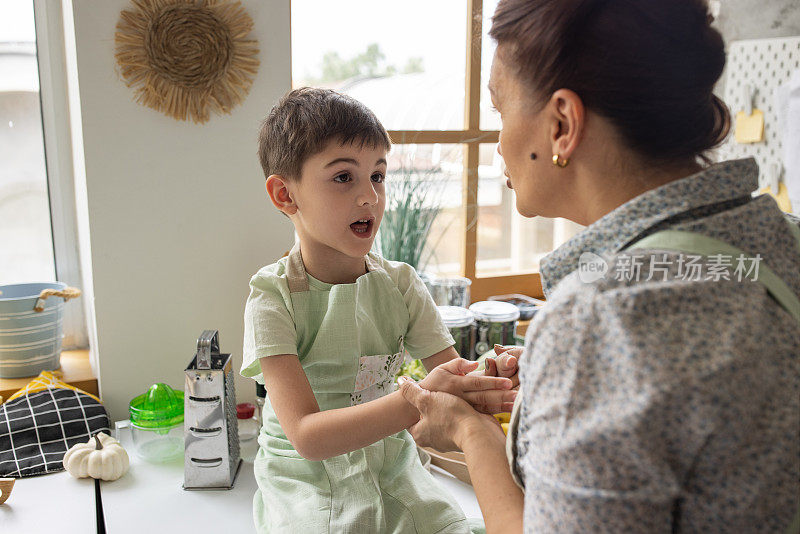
659,390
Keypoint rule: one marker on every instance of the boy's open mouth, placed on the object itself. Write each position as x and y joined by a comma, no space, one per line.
363,227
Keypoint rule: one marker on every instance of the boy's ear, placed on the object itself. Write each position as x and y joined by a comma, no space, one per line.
280,194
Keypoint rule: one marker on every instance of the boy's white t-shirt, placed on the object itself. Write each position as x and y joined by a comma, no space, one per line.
269,322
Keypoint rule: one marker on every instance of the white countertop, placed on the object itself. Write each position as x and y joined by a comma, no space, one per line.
49,503
150,499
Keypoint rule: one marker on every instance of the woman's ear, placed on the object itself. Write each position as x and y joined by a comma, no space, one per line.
279,191
569,120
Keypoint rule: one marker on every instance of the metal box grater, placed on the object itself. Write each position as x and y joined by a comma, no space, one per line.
210,429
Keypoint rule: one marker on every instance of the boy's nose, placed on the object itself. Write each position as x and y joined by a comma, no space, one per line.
368,196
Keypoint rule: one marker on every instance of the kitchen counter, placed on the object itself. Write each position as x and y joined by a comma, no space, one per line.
150,499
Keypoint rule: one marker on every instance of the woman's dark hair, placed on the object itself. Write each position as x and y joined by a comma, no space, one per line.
648,66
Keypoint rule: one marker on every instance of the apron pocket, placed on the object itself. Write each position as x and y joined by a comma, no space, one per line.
375,377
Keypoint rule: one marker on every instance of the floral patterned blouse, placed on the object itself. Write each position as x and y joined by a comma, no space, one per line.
665,404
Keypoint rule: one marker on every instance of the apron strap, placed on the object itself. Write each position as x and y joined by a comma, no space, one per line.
296,272
511,442
695,243
296,276
706,246
371,264
795,231
794,528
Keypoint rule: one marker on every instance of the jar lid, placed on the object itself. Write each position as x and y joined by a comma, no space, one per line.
453,281
495,311
456,316
245,410
160,407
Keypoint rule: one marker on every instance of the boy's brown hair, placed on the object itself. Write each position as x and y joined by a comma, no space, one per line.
305,120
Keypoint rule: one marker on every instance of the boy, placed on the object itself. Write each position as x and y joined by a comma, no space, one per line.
326,329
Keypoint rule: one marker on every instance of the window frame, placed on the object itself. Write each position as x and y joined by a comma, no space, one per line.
472,137
51,57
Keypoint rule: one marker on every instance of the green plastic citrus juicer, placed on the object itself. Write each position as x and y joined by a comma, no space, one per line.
157,423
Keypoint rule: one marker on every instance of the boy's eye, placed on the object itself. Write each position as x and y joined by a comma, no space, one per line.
342,178
378,177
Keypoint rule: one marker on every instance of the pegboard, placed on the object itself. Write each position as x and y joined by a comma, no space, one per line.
764,64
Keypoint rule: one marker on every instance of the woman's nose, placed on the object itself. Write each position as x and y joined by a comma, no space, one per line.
498,149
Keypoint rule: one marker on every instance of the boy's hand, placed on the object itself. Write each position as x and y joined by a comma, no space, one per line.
487,394
505,363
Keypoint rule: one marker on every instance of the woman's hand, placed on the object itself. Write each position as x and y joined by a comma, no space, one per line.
488,394
445,419
448,423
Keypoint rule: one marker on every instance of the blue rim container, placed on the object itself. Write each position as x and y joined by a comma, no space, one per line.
30,341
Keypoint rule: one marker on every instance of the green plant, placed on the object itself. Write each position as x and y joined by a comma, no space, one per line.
413,201
412,369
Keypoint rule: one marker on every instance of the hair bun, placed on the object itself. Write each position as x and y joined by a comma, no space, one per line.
648,67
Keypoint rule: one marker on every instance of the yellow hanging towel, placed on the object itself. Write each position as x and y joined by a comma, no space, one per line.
45,380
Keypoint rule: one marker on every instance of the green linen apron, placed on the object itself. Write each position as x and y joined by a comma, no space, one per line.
693,243
350,344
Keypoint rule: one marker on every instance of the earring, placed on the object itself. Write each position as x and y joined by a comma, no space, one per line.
533,155
557,160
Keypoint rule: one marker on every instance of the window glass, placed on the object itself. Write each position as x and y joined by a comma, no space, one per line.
424,189
404,60
489,120
509,243
26,243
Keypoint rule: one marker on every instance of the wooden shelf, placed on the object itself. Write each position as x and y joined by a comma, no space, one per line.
75,370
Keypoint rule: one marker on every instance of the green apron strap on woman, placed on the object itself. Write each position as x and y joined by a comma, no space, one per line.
695,243
707,246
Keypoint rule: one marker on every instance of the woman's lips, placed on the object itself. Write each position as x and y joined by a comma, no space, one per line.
508,178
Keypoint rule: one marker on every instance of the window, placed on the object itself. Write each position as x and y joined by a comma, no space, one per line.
38,237
26,241
422,67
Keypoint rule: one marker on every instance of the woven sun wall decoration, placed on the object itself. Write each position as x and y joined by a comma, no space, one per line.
187,58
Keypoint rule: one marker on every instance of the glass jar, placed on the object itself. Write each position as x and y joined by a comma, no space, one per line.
496,324
451,291
461,324
261,396
248,426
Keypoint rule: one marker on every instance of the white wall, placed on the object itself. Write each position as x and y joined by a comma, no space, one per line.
177,214
757,19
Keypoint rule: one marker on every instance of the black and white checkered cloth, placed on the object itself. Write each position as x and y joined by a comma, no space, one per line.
37,429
